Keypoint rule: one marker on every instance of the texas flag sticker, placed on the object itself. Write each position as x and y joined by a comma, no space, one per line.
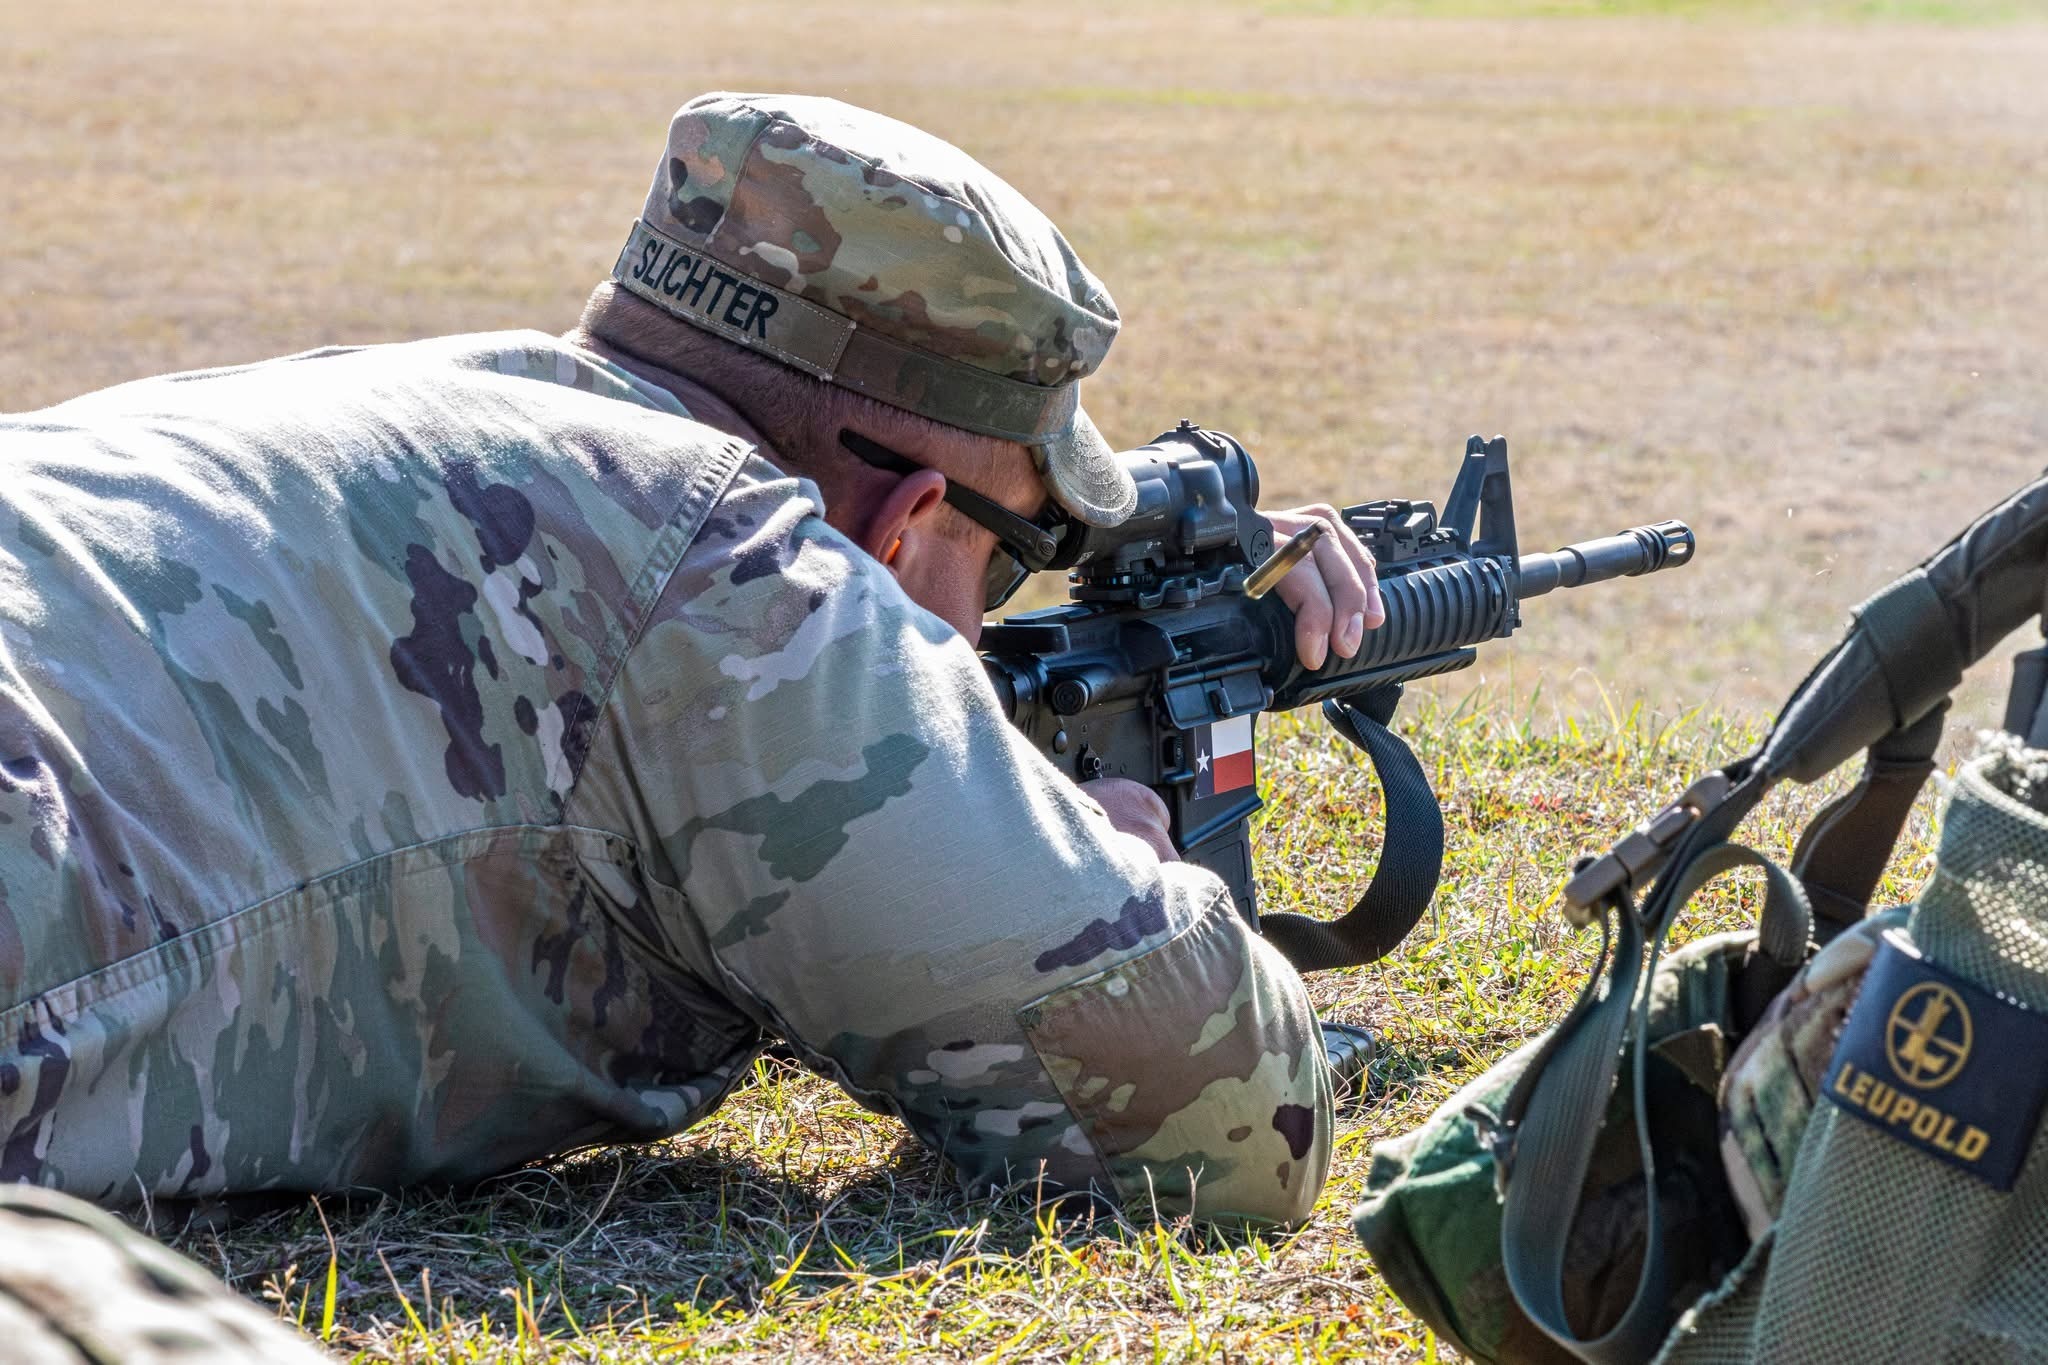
1223,757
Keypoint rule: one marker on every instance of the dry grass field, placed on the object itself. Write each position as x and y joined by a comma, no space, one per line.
1778,269
1758,266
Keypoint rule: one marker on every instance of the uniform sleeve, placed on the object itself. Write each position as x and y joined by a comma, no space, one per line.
877,866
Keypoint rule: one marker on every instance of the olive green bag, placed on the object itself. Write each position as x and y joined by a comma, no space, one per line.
1518,1222
1432,1220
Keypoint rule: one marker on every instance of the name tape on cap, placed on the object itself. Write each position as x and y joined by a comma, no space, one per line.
696,287
704,291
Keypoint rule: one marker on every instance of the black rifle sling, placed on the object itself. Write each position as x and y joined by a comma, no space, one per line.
1411,853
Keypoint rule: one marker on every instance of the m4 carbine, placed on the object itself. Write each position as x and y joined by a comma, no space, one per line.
1159,665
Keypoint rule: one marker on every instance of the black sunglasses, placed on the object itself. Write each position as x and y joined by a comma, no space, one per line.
1024,547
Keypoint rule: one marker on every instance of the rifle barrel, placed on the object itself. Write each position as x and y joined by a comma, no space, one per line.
1638,550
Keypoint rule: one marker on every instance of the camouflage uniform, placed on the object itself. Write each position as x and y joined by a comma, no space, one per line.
419,759
80,1287
1774,1079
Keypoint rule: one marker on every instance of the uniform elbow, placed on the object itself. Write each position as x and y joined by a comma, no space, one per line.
1196,1076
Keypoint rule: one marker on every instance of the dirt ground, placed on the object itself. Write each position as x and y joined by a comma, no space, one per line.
1785,279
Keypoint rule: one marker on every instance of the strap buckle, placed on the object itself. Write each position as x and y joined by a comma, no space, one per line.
1642,853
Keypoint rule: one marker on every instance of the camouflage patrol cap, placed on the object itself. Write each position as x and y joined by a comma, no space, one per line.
870,254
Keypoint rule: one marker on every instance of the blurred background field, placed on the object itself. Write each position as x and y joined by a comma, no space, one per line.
1778,269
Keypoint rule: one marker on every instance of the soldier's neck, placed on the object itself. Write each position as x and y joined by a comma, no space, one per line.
702,404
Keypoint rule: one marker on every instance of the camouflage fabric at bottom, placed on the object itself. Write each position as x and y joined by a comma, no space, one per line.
1767,1094
79,1287
421,759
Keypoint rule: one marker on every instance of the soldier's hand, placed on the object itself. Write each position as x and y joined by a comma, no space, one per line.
1134,808
1334,593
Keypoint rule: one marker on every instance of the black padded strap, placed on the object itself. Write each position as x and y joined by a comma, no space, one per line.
1411,854
1842,853
1908,627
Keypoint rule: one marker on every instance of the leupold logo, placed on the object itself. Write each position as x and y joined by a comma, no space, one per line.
1927,1036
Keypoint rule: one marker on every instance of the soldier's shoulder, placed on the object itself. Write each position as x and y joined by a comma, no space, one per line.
522,354
426,363
769,599
766,539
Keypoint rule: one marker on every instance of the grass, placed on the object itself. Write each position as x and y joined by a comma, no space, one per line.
794,1225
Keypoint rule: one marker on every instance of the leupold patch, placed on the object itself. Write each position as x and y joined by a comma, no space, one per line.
1942,1064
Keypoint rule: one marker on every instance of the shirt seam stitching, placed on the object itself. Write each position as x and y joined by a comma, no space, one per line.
655,581
215,927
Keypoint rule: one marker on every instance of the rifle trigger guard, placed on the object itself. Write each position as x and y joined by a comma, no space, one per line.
1642,853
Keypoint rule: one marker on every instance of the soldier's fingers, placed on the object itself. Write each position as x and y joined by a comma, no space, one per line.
1368,574
1309,600
1362,563
1346,586
1134,808
1348,572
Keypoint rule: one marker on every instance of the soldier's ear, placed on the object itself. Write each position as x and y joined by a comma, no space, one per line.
900,516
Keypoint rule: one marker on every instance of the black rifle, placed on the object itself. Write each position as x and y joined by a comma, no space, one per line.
1159,665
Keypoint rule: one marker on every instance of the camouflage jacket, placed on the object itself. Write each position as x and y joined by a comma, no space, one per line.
419,759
